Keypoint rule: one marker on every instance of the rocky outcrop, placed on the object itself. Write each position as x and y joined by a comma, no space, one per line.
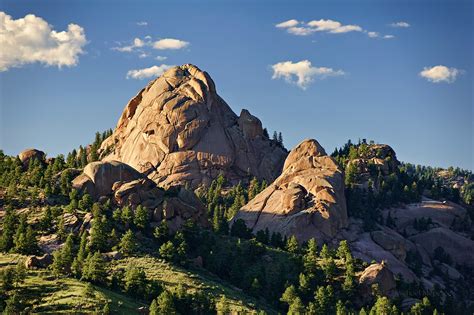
126,186
380,275
29,154
372,159
178,131
39,261
98,178
306,200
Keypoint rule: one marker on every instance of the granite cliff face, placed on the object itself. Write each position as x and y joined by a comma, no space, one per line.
306,200
179,131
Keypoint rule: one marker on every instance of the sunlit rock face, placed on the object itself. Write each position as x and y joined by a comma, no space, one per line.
179,131
306,200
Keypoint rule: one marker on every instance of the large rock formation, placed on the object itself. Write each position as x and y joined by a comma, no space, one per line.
306,200
126,186
178,131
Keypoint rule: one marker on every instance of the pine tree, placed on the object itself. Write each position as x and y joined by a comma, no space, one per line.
161,232
292,245
86,202
98,236
166,303
93,269
127,216
128,245
142,217
135,281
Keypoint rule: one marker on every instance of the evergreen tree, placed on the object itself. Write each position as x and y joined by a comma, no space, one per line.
135,281
86,202
292,245
98,236
63,258
127,216
128,245
142,217
93,269
165,303
161,232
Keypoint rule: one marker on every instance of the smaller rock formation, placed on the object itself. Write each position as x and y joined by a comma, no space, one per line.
29,154
39,261
126,186
306,200
380,275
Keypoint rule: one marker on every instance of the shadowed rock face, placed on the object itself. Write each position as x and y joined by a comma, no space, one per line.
126,186
178,131
306,200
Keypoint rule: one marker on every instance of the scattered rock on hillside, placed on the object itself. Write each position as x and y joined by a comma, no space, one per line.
306,200
179,131
39,261
29,154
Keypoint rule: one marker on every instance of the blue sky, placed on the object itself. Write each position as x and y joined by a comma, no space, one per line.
356,85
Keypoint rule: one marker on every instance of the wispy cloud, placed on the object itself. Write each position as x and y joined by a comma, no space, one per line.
302,73
170,43
161,58
142,23
145,73
439,74
31,39
143,47
400,24
137,43
301,28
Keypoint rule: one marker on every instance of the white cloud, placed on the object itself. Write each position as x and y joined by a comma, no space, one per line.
301,28
302,73
31,39
289,23
400,24
388,36
161,58
143,55
438,74
153,71
373,34
170,43
137,43
142,23
334,27
300,31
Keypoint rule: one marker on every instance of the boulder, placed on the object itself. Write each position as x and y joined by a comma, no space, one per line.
393,242
306,200
451,272
378,274
71,222
29,154
179,131
115,255
39,261
98,178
